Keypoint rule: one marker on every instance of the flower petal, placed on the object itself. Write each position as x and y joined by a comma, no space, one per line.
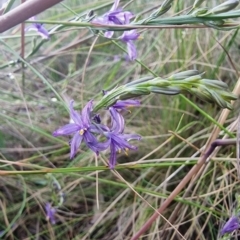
231,225
76,117
86,114
50,212
129,35
129,137
123,104
38,27
42,31
108,34
132,51
75,144
119,17
93,144
113,157
128,16
117,120
99,146
115,5
66,130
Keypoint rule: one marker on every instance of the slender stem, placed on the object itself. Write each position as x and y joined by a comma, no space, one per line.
182,184
23,12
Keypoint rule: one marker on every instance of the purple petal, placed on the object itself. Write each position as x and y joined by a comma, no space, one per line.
115,5
119,17
130,137
122,144
120,141
50,212
129,35
231,225
76,117
43,32
89,137
117,120
66,130
128,16
99,146
75,144
108,34
132,51
113,157
86,114
98,129
123,104
39,28
93,144
101,20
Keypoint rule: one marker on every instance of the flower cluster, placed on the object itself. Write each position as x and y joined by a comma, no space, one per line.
87,127
116,16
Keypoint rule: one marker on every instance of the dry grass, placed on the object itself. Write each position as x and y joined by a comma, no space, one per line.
113,204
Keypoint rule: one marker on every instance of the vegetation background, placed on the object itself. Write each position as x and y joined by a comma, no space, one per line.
76,64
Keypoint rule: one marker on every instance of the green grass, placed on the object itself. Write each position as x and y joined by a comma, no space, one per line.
99,203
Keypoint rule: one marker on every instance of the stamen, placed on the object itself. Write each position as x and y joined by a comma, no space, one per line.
81,132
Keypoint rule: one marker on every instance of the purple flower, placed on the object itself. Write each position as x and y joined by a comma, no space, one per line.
83,129
117,118
38,27
119,142
231,225
50,212
128,37
114,17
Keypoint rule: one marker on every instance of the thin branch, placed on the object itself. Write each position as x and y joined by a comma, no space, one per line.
23,12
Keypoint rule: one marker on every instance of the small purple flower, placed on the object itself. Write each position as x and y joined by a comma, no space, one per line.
128,37
117,118
50,212
83,129
119,142
38,27
114,17
231,225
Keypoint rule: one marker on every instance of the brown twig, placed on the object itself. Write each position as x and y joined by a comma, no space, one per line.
183,183
23,12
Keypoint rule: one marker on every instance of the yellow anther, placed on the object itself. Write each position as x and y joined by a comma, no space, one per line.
126,151
81,132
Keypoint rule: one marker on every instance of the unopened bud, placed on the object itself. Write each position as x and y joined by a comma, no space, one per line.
165,90
214,84
224,7
183,75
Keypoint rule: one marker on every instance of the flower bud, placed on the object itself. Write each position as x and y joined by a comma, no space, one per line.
183,75
224,7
